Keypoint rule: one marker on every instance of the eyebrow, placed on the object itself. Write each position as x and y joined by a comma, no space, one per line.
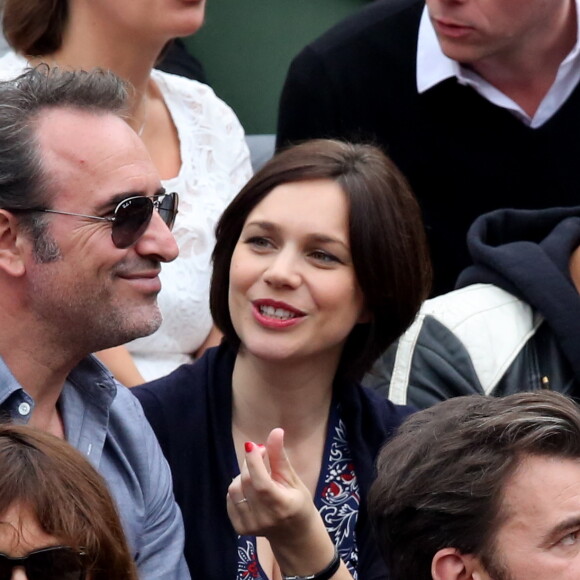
573,522
319,238
115,200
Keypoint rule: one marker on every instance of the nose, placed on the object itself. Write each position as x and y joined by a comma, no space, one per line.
283,270
157,241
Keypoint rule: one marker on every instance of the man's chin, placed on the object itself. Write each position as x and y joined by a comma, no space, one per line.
148,326
138,325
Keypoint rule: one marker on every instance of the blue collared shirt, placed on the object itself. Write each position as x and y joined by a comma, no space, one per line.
105,422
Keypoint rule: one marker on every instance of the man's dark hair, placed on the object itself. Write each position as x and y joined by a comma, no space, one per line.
440,481
24,180
387,239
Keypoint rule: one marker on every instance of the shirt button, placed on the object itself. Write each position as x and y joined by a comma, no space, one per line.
24,408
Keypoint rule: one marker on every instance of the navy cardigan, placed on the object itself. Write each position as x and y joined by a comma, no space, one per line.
190,411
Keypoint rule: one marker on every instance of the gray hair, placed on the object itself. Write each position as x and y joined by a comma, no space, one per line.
440,480
24,181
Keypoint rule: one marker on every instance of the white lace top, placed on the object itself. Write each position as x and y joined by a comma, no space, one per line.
215,166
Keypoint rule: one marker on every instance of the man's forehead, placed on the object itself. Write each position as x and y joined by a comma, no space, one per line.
86,149
542,491
74,134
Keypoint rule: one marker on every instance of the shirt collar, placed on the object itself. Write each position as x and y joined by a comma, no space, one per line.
90,372
433,67
90,378
8,384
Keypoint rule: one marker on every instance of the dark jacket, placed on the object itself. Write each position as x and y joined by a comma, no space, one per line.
513,324
191,413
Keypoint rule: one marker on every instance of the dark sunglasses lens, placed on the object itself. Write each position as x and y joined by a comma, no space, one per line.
52,564
5,568
168,208
58,564
131,220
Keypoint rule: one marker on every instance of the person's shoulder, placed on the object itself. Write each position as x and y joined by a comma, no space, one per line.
390,414
180,84
187,383
377,22
374,413
178,387
12,65
462,309
195,96
490,324
125,410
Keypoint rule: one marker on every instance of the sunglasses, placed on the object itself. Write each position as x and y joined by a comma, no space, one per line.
130,218
54,563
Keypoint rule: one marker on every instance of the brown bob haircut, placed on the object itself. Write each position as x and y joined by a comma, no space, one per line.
387,240
440,481
69,498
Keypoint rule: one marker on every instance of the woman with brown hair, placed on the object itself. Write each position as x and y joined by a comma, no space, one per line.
194,139
320,263
57,518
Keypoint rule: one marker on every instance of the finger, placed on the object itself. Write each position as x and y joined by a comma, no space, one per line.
235,491
280,466
238,512
255,474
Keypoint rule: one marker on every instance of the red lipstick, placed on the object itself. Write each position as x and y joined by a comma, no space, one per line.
275,314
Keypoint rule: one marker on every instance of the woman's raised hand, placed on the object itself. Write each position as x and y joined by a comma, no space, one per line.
268,498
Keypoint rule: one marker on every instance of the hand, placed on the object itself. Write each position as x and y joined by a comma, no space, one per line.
278,503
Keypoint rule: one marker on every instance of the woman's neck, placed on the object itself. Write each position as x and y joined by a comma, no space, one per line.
89,42
268,394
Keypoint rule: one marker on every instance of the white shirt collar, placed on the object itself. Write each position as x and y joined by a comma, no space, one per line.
433,67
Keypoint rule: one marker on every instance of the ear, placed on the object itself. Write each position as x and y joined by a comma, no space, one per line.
13,245
450,564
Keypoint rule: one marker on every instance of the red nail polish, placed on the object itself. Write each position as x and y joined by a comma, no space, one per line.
260,445
249,446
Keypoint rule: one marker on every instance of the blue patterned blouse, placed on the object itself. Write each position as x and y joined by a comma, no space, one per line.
337,499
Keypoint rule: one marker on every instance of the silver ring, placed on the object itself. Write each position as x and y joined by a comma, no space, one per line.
243,500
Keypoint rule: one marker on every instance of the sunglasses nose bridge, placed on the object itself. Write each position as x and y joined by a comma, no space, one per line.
19,573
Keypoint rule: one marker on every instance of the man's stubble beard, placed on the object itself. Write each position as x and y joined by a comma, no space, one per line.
87,320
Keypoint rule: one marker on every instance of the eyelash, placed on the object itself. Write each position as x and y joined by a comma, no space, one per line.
320,256
259,242
324,257
573,536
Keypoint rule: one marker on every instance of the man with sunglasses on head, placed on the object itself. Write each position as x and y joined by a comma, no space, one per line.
84,229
